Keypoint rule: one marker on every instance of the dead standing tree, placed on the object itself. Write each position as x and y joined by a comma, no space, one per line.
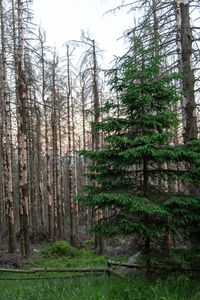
61,183
42,39
69,127
184,41
8,182
90,65
22,137
56,222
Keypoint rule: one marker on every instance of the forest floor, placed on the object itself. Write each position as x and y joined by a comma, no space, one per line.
173,287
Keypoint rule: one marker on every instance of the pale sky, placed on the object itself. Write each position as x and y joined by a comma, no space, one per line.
63,20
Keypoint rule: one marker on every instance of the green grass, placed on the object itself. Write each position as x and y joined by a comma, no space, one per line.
176,287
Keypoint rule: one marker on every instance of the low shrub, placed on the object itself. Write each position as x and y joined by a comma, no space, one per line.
60,248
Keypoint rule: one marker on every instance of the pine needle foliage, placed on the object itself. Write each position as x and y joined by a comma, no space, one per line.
136,172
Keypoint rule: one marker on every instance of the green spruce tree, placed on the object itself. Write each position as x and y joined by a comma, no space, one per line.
130,171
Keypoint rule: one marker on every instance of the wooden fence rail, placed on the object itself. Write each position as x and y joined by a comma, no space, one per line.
135,266
59,270
86,272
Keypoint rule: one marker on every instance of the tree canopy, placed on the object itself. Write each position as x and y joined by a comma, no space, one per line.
136,172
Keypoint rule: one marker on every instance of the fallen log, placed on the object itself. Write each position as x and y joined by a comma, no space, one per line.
135,266
52,277
59,270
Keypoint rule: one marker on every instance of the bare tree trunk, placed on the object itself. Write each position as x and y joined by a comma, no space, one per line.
96,136
39,166
55,156
2,185
184,41
49,199
32,177
15,60
84,148
1,174
70,188
47,155
62,196
22,136
75,170
8,153
190,128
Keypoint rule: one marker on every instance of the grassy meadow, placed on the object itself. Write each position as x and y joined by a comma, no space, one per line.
173,287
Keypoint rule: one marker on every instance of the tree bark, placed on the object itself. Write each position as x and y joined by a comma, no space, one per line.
47,155
75,188
32,176
8,183
96,137
70,188
55,156
62,195
22,138
39,166
184,42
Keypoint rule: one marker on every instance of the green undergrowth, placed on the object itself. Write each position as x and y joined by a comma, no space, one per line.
173,287
61,254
